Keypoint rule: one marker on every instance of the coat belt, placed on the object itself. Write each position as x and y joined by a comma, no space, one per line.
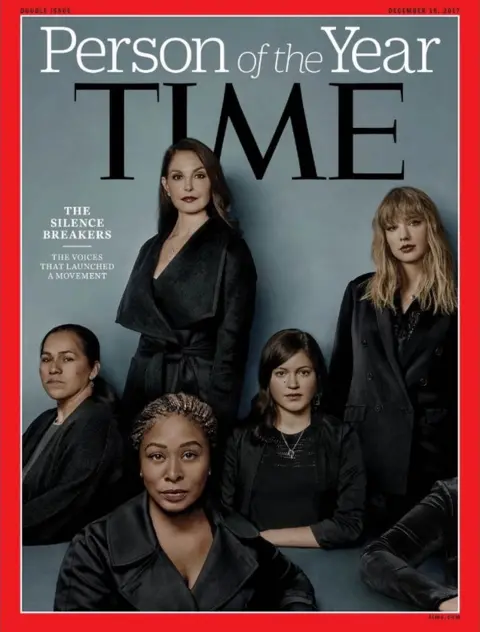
181,357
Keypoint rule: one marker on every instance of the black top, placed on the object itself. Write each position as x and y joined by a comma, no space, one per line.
285,492
117,564
389,564
338,470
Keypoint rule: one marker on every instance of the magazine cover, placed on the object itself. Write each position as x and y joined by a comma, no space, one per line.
240,315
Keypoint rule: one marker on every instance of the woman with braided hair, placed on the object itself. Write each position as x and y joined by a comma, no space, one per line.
170,548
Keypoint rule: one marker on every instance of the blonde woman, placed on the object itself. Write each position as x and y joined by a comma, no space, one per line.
393,371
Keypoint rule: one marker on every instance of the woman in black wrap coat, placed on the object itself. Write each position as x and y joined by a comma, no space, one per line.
191,293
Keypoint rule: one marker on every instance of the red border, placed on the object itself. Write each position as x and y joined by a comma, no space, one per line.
10,617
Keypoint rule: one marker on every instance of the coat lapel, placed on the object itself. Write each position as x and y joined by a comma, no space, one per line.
423,344
384,322
193,278
138,310
145,576
148,580
249,468
229,565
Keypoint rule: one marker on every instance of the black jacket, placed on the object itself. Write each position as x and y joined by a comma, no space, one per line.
340,478
395,409
194,319
388,564
75,478
116,564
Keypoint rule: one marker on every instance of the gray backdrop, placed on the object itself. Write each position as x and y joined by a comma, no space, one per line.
308,238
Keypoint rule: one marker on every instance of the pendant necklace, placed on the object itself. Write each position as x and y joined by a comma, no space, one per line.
290,450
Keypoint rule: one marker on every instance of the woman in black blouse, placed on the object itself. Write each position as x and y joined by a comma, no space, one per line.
393,371
390,564
191,293
170,548
296,473
73,453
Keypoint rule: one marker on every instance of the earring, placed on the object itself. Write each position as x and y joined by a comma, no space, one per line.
316,401
141,474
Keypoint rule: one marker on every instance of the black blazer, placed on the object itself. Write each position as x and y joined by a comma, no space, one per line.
196,338
388,564
392,407
75,478
116,564
340,477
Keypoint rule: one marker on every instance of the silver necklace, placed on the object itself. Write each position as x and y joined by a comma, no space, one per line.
291,451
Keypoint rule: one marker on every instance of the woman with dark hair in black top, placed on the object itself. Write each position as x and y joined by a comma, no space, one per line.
72,454
296,473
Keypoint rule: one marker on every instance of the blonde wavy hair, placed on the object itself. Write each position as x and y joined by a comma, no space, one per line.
438,289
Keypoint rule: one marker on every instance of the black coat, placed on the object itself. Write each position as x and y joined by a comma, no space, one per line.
195,324
395,409
389,564
75,478
340,478
116,564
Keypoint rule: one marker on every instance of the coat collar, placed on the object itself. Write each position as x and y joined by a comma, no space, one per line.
192,280
419,347
149,581
384,322
43,421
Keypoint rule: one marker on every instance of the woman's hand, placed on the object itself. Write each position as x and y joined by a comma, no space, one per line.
449,605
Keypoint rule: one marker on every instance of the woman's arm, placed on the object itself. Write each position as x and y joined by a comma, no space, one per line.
295,536
86,457
238,290
346,524
388,564
83,581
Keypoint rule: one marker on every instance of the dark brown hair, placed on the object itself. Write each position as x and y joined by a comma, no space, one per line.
279,348
219,205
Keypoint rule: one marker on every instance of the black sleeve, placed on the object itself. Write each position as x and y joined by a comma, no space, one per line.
341,362
290,587
84,582
346,524
232,344
388,564
46,518
228,480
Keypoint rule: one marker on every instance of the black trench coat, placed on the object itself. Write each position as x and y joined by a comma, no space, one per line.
389,565
395,409
339,472
195,329
75,479
116,564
